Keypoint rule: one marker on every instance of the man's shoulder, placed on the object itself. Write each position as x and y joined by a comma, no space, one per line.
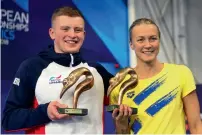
33,62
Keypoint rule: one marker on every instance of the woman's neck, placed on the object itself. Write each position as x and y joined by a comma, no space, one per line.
148,70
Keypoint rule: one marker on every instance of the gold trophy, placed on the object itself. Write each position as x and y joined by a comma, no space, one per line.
81,87
127,85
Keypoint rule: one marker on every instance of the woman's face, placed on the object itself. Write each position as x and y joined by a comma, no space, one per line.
145,42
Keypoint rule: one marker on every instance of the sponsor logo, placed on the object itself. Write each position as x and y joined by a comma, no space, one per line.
130,94
55,80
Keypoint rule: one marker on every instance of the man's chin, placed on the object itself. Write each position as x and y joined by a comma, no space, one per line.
72,51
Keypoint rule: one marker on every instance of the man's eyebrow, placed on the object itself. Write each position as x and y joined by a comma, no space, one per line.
77,27
64,26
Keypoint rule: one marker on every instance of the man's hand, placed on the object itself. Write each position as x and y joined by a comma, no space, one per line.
121,117
53,112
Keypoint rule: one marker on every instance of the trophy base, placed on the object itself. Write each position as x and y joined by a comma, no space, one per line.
73,111
111,108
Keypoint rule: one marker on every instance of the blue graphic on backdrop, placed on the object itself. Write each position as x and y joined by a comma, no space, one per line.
110,23
24,4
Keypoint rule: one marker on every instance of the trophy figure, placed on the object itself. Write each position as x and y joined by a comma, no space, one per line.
127,85
81,87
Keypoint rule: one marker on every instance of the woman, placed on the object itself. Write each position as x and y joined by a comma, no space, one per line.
165,93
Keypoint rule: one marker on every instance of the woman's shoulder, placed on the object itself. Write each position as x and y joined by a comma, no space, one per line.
177,67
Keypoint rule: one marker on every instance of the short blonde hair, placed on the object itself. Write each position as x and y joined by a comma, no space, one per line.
67,11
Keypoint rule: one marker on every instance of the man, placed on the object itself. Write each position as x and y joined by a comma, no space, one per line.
165,92
33,99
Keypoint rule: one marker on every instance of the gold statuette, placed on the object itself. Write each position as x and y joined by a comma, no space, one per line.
127,85
81,87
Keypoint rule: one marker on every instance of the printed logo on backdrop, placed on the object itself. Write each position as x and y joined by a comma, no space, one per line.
13,20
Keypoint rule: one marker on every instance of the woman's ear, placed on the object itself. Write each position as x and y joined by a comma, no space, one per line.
132,46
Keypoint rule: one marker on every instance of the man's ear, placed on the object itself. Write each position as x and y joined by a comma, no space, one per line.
52,33
84,33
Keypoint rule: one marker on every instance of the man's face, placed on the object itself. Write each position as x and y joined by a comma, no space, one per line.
145,42
68,34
